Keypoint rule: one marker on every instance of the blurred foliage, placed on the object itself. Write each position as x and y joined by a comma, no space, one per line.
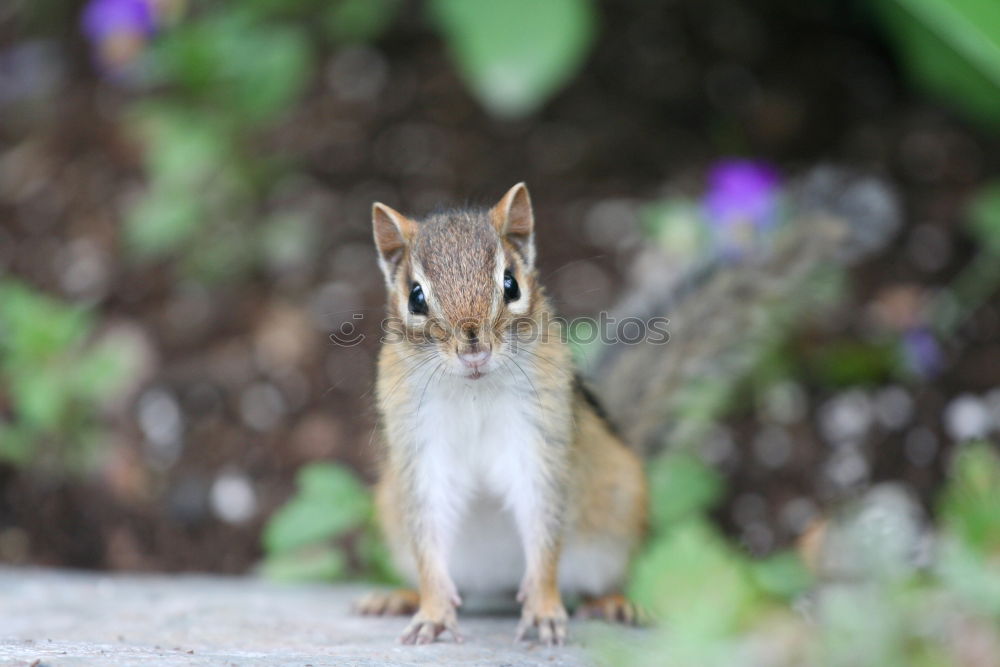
969,505
715,605
218,79
225,76
701,590
868,590
979,279
984,217
675,224
681,486
309,537
216,82
55,378
952,48
693,582
358,20
243,70
848,363
515,54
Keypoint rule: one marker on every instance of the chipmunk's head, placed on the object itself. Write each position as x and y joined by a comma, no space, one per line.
461,282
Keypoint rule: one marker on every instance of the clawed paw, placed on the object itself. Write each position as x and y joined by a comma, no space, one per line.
425,628
388,603
552,626
614,608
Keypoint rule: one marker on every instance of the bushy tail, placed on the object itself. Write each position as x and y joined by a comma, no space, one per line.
722,312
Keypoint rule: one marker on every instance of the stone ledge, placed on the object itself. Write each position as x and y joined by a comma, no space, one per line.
70,618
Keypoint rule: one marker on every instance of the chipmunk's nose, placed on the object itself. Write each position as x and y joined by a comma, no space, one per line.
475,360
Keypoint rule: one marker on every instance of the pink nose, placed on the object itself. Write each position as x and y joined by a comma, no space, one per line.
475,360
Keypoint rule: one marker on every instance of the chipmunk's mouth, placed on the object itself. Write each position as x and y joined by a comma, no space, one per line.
475,362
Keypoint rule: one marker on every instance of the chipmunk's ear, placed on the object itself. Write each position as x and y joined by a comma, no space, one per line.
515,221
393,232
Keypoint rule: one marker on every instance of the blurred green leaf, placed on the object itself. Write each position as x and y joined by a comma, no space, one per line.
515,54
849,363
359,20
693,582
184,154
39,398
330,501
15,445
698,404
984,217
162,221
100,371
260,10
681,485
34,327
977,281
54,379
677,225
969,507
782,575
312,563
952,48
249,70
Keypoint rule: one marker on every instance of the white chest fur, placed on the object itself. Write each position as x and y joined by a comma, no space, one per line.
480,445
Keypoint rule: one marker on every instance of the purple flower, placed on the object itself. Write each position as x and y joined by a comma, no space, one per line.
921,352
118,29
741,202
105,19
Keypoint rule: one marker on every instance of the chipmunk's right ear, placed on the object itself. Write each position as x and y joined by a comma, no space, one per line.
514,221
393,232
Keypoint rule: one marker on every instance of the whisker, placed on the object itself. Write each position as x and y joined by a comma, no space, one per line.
420,403
538,399
406,376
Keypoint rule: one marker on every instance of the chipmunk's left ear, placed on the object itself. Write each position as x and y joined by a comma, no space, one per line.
515,221
393,233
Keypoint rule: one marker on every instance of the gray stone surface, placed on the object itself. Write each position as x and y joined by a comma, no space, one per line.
67,618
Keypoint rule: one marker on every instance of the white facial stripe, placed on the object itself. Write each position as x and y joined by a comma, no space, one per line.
520,307
499,266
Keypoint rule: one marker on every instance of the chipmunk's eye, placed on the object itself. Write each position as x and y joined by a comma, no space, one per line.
418,302
511,292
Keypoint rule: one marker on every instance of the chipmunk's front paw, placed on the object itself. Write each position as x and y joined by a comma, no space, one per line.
612,608
550,621
390,603
428,624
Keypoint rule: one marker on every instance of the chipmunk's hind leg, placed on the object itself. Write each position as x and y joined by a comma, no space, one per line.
614,608
397,602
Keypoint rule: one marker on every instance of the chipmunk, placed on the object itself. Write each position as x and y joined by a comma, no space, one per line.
500,473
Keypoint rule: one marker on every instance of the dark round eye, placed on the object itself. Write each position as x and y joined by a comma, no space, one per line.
511,292
418,302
